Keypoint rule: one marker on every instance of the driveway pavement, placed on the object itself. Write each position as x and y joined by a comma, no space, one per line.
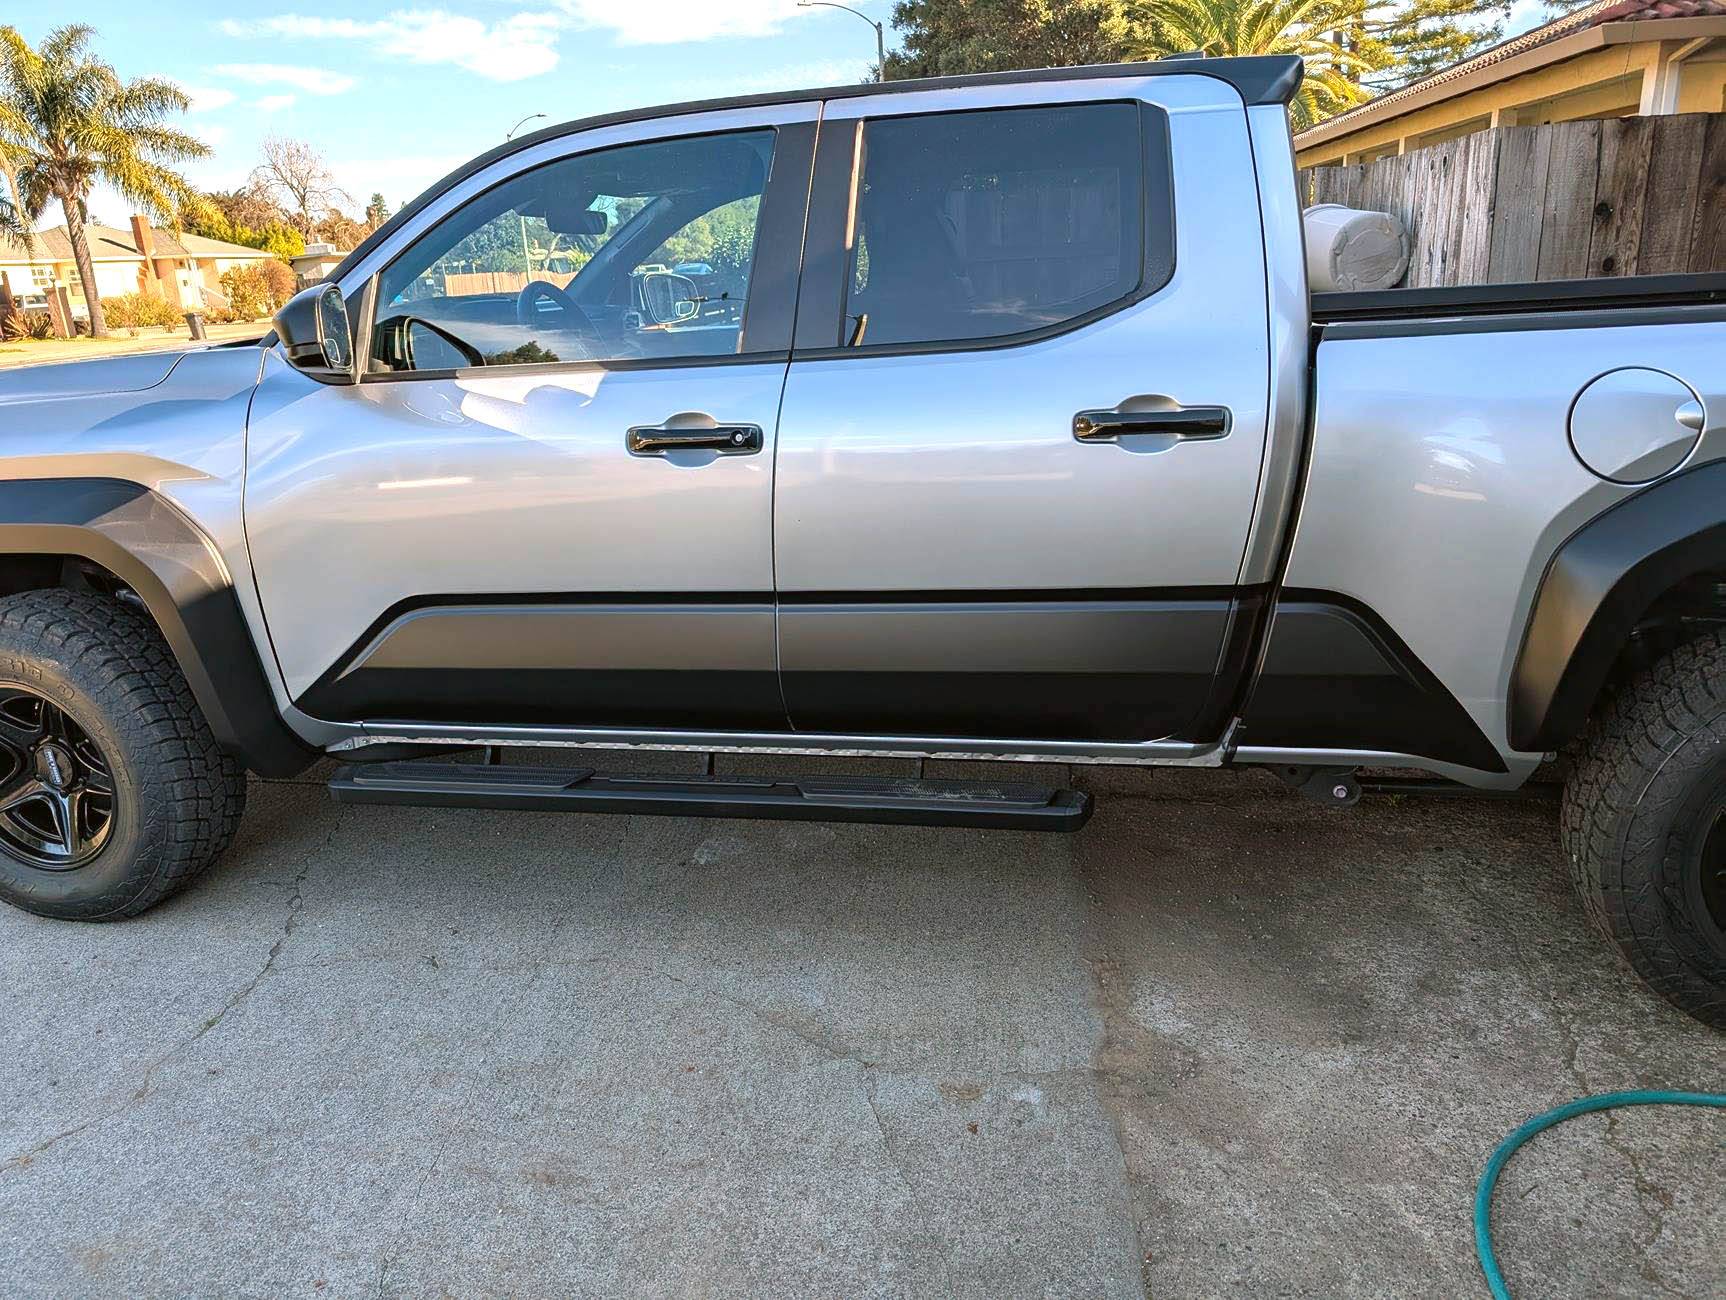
1220,1043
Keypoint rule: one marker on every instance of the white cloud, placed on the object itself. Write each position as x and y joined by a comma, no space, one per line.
273,103
398,179
314,81
801,76
206,99
1526,14
672,22
520,46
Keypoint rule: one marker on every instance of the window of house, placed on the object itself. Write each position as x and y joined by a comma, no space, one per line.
983,224
638,252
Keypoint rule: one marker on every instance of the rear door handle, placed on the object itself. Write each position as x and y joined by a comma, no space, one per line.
1188,422
726,439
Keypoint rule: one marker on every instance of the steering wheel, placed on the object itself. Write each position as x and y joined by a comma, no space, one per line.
574,319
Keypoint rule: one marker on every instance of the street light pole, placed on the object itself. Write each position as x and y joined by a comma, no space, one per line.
526,257
880,30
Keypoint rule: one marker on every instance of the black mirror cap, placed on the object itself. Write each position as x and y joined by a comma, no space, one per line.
315,334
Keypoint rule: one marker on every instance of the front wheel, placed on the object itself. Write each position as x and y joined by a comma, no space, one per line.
1644,826
113,793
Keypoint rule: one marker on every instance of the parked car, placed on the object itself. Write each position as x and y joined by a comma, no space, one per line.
1029,443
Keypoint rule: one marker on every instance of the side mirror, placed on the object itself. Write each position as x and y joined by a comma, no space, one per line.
669,298
313,327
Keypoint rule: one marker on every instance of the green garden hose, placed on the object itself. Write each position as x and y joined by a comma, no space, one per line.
1570,1110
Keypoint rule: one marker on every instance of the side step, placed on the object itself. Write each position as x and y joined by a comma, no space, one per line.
985,804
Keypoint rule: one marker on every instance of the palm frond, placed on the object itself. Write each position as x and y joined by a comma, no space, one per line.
1327,35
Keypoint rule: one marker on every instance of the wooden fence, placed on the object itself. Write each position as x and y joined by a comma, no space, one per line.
1621,196
464,283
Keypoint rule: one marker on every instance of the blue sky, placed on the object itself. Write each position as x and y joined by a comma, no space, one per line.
397,95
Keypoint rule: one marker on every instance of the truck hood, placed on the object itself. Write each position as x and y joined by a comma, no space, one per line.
93,378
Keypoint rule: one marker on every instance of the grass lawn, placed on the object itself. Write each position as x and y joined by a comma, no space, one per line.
32,352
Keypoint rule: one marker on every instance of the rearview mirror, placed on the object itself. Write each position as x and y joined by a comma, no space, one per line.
313,328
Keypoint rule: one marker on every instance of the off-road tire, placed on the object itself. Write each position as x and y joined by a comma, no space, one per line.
177,796
1639,804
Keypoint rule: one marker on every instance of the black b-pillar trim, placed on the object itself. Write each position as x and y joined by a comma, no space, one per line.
1598,586
150,546
1335,676
771,308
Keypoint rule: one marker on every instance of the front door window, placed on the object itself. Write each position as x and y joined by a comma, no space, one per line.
641,252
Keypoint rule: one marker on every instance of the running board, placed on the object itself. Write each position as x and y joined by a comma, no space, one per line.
813,799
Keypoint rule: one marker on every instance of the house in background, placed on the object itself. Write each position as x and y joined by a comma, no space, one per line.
1612,58
316,262
179,267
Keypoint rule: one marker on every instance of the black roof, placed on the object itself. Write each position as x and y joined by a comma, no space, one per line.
1258,79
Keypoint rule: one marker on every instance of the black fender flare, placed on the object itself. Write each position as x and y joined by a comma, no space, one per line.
147,543
1598,586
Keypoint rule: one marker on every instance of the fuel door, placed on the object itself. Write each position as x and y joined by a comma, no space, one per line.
1635,424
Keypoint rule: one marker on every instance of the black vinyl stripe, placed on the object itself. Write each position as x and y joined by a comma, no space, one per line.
1335,676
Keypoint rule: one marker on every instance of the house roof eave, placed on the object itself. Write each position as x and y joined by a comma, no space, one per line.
1388,108
1586,40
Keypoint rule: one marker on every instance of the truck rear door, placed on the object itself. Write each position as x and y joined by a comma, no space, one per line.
1022,429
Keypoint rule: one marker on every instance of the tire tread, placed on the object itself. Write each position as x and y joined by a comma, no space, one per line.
146,698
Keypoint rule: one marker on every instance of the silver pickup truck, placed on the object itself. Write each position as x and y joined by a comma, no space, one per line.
986,417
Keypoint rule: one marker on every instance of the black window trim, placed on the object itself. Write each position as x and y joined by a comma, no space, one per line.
778,252
827,262
1257,79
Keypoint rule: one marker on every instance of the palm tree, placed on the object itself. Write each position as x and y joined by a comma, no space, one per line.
12,223
67,121
1327,34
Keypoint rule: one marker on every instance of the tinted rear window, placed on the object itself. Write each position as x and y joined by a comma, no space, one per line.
983,224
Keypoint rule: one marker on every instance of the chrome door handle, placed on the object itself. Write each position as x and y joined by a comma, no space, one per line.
726,439
1195,423
1690,416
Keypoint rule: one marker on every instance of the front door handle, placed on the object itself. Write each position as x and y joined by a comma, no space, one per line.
1186,422
726,439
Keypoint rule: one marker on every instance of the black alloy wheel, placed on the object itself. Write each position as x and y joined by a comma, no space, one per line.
56,791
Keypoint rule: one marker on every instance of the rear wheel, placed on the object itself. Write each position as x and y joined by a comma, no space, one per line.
1644,826
113,793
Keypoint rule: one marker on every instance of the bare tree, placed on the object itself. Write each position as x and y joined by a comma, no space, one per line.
298,180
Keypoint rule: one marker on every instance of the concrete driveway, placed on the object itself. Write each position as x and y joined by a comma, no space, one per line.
1220,1043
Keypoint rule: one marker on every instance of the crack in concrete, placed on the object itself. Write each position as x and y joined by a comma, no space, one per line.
1110,999
866,1084
296,905
390,1255
1651,1198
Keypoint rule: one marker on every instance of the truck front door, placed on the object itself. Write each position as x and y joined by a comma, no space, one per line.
1022,431
548,501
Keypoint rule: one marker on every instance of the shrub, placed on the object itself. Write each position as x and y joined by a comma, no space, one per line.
18,324
133,311
247,292
280,280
